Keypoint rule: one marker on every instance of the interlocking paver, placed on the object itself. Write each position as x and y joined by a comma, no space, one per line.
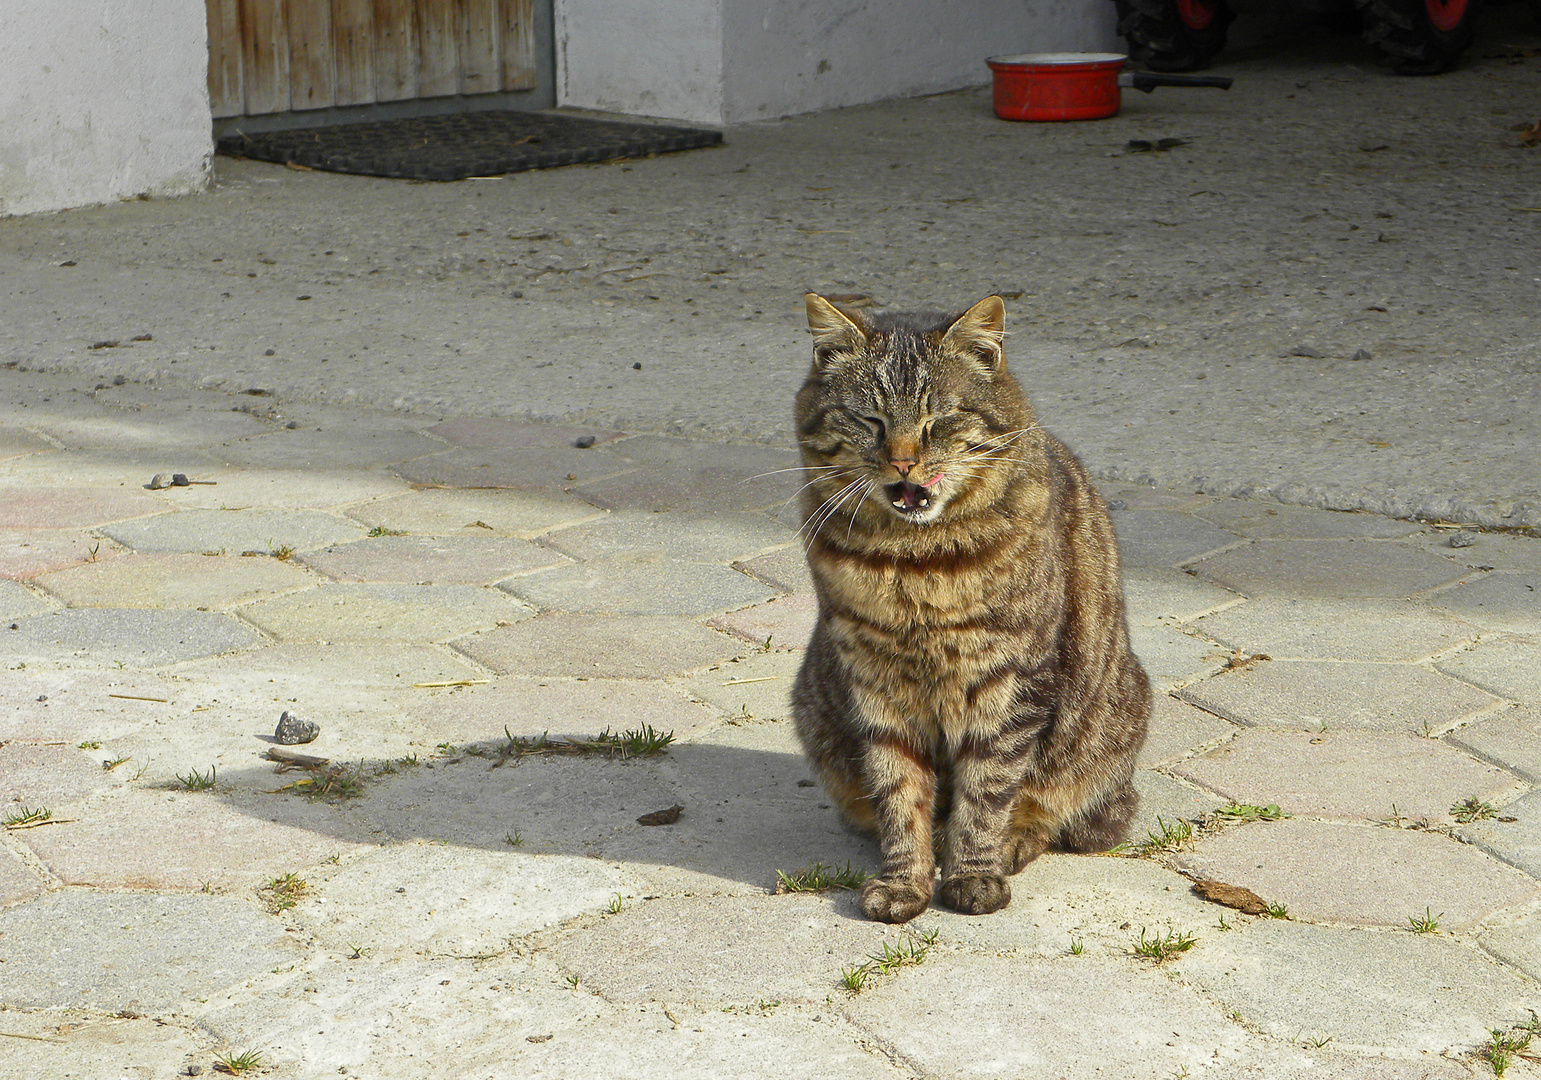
14,442
639,585
783,623
1360,569
234,532
432,560
694,537
383,612
95,701
1310,629
142,637
676,475
25,553
174,581
759,684
1156,539
1177,729
1172,657
477,512
1508,667
1501,601
117,430
41,777
17,600
622,647
1318,695
1360,874
18,881
1346,774
786,569
1513,833
1515,938
73,508
353,447
1511,738
1274,521
1152,595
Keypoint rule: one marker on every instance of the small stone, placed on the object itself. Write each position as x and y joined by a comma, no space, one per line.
294,729
1461,539
179,479
583,442
1307,351
267,352
291,425
1117,504
1362,354
159,480
637,366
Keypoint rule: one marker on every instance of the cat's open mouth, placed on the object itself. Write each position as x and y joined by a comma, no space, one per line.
908,498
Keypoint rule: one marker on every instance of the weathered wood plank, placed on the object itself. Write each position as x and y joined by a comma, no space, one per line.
312,81
438,25
226,97
265,56
518,44
353,44
480,41
395,50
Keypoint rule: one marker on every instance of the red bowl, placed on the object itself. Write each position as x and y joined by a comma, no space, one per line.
1056,86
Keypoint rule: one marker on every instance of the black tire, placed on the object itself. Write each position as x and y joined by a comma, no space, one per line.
1419,37
1162,39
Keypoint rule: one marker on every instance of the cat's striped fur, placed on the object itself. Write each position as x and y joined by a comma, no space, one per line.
968,694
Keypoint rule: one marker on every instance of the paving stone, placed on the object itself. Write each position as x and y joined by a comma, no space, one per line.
1508,667
1164,802
124,471
1299,629
1504,552
282,489
639,585
1511,738
18,881
1361,875
25,553
1346,774
1178,729
1159,539
231,532
1502,601
1151,595
41,777
174,581
620,647
1171,657
786,569
538,469
1313,694
434,900
85,1042
785,623
160,430
512,437
695,537
759,685
71,508
432,560
143,637
483,513
1517,843
15,442
144,953
180,840
1275,521
383,612
17,600
1515,938
72,704
1396,993
1328,568
1142,497
678,475
1028,1016
353,446
560,707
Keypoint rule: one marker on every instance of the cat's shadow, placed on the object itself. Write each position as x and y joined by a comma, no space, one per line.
746,814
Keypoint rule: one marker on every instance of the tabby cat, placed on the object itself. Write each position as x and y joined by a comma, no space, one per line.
968,694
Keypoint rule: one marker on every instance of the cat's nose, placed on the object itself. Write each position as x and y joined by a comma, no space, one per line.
904,465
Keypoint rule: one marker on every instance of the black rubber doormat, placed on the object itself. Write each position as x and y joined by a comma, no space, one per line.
456,146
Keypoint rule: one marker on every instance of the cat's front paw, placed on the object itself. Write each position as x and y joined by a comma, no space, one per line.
976,894
894,900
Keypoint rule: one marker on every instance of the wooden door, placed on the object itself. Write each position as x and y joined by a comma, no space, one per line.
269,56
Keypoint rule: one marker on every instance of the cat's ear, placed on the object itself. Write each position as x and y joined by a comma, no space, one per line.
834,332
979,331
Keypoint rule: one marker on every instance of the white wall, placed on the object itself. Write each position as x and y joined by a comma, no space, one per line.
732,61
102,100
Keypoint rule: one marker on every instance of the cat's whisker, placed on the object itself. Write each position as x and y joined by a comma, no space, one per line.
794,468
832,505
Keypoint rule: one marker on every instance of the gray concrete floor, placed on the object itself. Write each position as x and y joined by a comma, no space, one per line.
403,505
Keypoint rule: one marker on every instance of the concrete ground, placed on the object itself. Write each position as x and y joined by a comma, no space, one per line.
1298,351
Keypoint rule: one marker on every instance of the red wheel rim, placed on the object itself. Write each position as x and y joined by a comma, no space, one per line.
1444,15
1198,14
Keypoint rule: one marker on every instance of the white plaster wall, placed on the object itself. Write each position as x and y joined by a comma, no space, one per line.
102,100
732,61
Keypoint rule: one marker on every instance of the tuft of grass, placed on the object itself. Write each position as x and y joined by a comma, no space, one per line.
331,783
616,903
282,893
1077,946
236,1064
513,839
820,878
911,950
1172,836
26,816
1472,809
281,552
197,781
1427,923
1243,812
89,744
381,530
1161,948
108,766
1278,911
1502,1047
633,743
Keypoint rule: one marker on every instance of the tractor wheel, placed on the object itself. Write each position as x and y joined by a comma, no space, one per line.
1419,37
1174,35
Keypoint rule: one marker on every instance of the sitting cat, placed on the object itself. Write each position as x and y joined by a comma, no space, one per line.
968,694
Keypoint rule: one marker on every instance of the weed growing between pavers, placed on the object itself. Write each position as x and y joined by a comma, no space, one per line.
1161,948
911,950
27,816
1472,809
820,878
282,893
236,1064
632,743
197,781
1427,923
